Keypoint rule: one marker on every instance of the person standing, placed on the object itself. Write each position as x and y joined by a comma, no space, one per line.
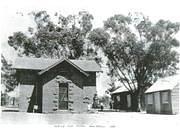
101,106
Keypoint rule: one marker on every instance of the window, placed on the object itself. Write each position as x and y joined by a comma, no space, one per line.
165,97
150,99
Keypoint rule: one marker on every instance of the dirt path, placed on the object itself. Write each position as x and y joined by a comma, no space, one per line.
107,119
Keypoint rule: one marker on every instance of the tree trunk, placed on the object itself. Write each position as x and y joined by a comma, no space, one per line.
134,102
141,100
139,109
138,101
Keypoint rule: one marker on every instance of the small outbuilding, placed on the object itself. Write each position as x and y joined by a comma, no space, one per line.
163,96
52,85
122,99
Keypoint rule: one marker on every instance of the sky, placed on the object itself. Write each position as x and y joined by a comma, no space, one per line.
12,21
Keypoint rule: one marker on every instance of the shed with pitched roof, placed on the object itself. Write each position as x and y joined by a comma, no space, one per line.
52,85
122,99
163,96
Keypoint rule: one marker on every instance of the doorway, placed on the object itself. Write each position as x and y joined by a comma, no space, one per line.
63,96
157,102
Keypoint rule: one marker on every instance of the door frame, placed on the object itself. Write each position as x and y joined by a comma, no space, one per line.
65,85
157,102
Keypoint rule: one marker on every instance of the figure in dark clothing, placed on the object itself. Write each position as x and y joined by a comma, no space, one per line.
95,101
111,104
118,103
102,106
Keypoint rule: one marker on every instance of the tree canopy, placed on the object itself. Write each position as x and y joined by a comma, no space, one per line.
138,50
55,36
7,75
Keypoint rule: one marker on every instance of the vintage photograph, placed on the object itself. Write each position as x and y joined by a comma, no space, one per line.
90,64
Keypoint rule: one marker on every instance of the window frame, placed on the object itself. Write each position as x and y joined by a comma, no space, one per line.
150,98
63,85
165,97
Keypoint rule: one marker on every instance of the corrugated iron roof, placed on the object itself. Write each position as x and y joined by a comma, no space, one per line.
120,90
167,83
60,61
124,89
87,65
43,63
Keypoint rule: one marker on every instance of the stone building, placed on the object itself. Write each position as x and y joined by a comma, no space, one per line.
53,85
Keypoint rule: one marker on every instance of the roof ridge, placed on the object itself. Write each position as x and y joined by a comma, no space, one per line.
60,61
34,63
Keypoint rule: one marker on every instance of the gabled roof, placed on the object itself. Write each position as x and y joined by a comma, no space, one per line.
87,65
43,63
120,90
60,61
33,63
167,83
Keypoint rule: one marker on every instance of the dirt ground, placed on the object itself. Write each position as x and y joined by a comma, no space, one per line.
100,119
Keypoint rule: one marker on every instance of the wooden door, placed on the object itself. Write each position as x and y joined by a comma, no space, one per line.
63,96
157,102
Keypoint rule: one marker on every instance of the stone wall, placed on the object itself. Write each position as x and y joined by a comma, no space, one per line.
80,87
